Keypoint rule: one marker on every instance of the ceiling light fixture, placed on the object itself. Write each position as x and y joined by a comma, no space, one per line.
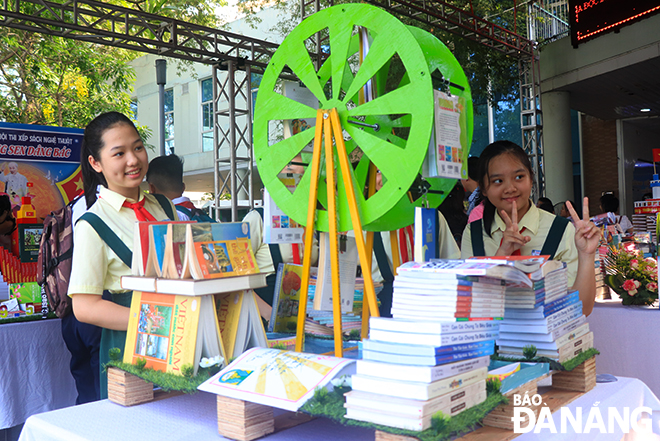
645,110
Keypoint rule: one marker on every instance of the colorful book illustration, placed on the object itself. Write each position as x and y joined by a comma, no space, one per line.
172,331
215,250
277,378
286,300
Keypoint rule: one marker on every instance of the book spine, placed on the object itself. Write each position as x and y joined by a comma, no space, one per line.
276,297
569,327
552,307
388,324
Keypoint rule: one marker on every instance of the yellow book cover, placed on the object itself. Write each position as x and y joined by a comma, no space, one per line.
284,317
162,329
228,307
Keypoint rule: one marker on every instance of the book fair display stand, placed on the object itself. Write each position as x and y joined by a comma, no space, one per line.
393,130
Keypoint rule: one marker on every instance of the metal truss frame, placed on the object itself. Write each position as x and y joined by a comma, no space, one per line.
116,26
449,18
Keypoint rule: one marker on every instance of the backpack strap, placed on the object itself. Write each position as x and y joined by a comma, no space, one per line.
381,258
184,210
109,237
477,236
165,204
554,236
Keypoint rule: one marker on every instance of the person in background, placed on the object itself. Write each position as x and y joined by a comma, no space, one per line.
610,204
165,176
382,267
269,256
565,213
545,204
7,221
113,156
471,184
452,209
512,225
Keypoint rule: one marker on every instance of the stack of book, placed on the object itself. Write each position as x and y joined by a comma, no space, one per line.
555,326
433,355
448,290
411,370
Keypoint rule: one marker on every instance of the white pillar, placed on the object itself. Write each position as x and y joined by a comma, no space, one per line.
557,148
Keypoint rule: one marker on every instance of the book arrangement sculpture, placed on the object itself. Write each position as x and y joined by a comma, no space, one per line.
203,315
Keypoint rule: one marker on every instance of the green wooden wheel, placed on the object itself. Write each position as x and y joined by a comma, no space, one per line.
442,64
336,85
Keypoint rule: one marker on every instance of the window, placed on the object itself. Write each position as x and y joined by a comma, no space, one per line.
169,121
134,109
207,115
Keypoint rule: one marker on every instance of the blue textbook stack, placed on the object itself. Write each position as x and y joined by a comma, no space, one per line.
549,318
433,355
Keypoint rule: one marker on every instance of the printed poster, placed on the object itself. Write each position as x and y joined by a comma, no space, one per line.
41,162
278,226
447,148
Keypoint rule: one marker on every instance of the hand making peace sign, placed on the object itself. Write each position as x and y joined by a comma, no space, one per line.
587,235
512,240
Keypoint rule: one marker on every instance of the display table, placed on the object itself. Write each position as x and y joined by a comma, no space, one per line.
627,338
34,372
193,418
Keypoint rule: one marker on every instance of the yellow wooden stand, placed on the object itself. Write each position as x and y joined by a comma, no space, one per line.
327,123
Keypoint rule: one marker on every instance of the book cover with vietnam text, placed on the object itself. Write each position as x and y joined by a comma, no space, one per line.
162,329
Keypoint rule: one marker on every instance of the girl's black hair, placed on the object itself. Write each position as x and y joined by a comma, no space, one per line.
92,145
491,151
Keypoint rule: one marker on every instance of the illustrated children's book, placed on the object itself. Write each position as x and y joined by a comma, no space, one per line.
277,378
172,331
284,317
240,322
216,250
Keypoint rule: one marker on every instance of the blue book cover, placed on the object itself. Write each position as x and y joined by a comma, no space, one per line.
426,234
159,233
426,361
424,350
561,303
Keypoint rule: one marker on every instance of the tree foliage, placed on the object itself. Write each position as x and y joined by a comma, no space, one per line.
66,82
480,63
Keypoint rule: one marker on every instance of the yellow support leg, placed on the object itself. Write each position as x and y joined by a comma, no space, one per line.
332,222
369,291
309,232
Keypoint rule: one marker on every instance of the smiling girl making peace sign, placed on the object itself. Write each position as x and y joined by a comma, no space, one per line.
513,225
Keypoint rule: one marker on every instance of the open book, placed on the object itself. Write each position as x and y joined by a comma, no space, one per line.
277,378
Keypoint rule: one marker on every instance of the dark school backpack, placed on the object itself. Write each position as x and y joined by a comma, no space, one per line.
54,261
196,215
56,250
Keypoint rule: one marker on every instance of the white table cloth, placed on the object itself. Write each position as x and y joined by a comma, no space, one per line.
34,372
193,418
628,338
